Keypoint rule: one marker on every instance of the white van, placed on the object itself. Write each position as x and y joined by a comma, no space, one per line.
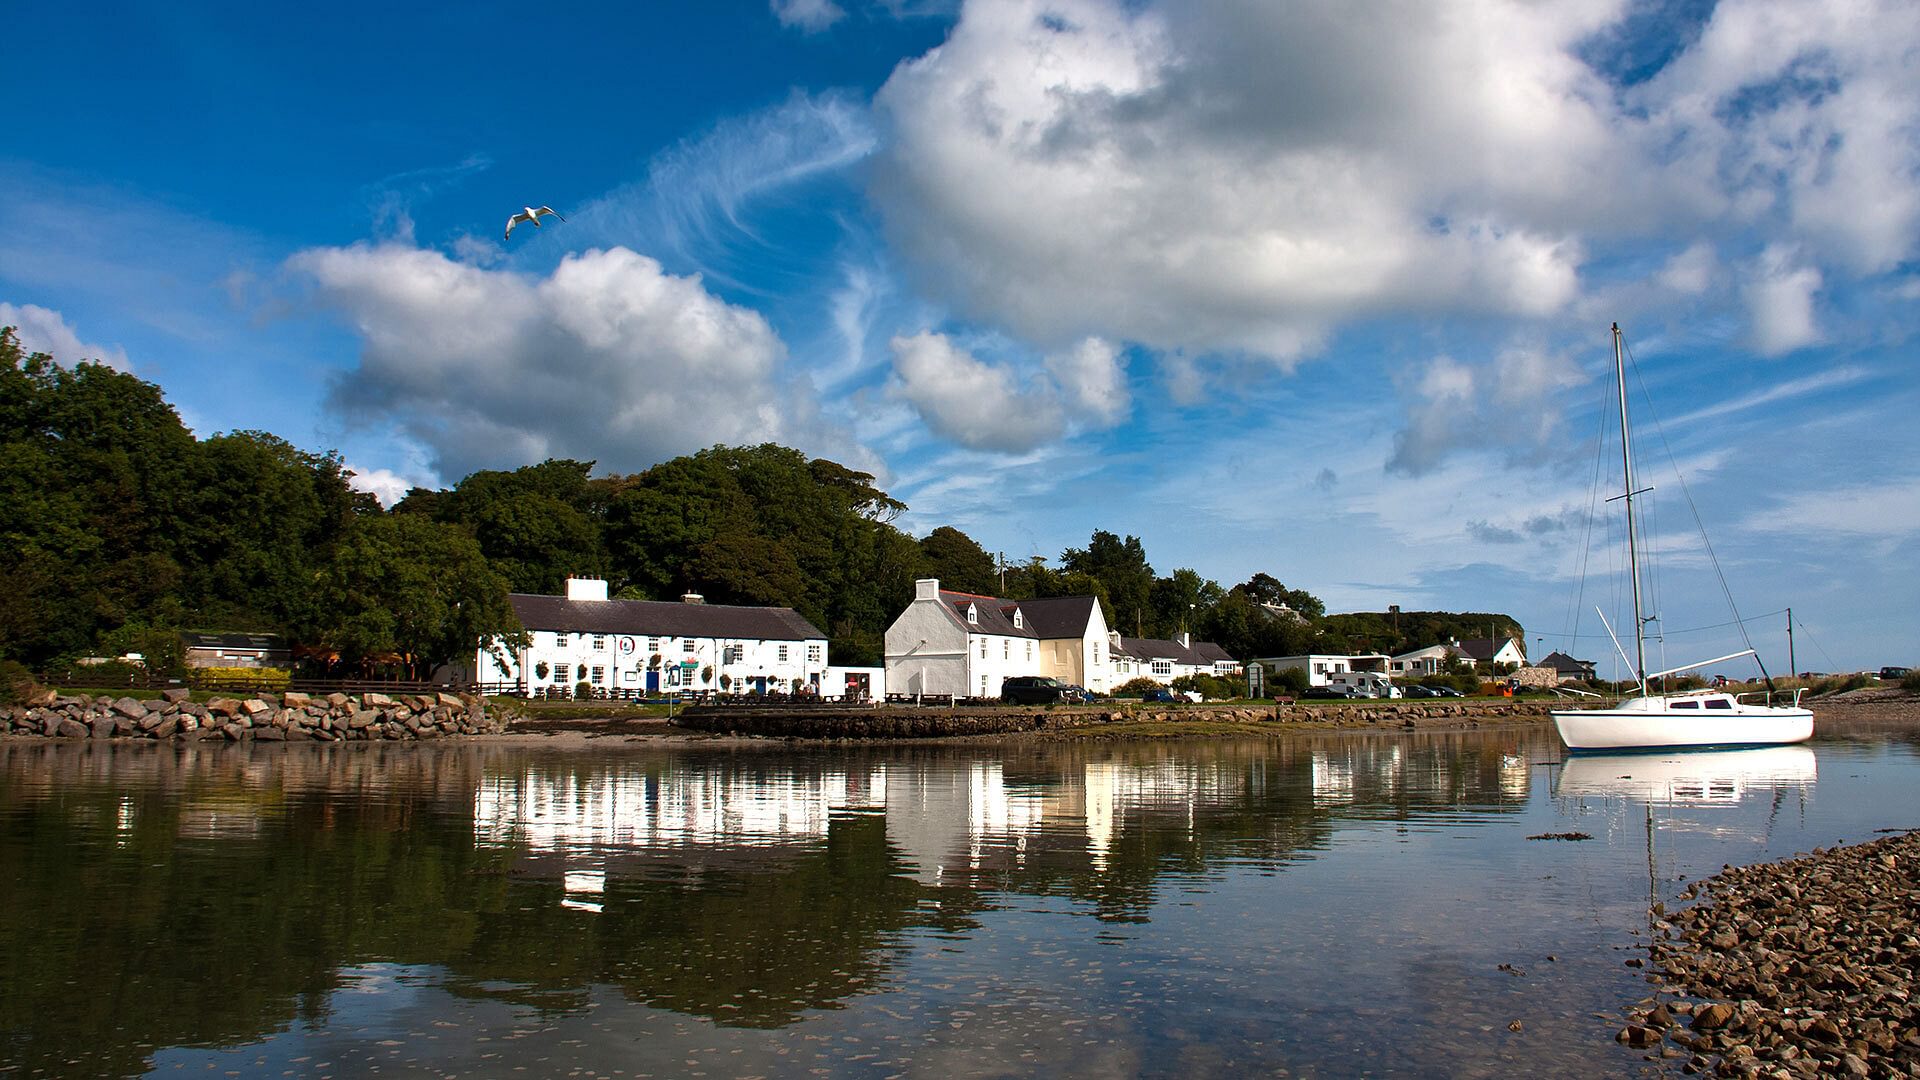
1364,684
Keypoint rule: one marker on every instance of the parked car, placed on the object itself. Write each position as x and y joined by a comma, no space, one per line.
1340,692
1033,690
1163,694
1894,674
1418,691
1445,691
1076,694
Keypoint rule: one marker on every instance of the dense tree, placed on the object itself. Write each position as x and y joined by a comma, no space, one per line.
536,524
1120,565
1179,601
404,590
958,561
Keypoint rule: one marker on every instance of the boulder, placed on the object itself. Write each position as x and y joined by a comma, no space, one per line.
131,708
254,707
166,728
294,699
175,695
66,727
102,727
375,701
362,717
224,706
338,700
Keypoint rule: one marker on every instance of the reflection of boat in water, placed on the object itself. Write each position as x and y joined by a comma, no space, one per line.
1687,778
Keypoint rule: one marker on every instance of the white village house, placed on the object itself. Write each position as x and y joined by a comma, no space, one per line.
1327,669
966,645
625,647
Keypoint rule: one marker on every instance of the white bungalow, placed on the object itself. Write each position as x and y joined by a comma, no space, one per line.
1321,668
1432,660
625,647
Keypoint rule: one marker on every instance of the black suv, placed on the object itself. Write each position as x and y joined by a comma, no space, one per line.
1033,690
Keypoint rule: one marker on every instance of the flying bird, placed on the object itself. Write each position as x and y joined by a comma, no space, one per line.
529,213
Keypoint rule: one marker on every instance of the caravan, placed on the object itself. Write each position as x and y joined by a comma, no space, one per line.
1364,684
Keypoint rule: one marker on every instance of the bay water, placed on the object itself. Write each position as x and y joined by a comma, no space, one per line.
1340,904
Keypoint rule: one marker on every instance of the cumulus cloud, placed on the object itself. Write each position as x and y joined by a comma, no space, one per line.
1779,295
383,484
1093,376
606,358
1243,178
976,404
44,330
812,16
1512,404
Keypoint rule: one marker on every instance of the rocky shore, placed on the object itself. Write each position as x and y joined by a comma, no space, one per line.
1797,968
830,722
288,717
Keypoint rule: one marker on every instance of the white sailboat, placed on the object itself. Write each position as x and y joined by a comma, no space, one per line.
1651,721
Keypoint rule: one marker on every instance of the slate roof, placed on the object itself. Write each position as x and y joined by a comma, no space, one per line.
661,618
268,642
1567,665
1199,654
1482,649
995,614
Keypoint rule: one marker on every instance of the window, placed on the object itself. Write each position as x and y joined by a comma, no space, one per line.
1163,667
973,614
1686,704
1096,652
1018,622
653,644
983,686
783,654
983,648
1006,649
734,654
599,675
813,654
1029,650
561,673
1719,703
599,643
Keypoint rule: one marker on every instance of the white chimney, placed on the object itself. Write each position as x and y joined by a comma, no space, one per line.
586,588
1183,640
926,588
692,598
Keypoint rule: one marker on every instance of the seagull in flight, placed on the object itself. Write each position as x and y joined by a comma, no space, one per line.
529,213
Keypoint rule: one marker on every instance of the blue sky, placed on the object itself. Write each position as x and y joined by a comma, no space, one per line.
1314,289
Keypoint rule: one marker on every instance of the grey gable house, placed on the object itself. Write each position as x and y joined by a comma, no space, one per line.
626,647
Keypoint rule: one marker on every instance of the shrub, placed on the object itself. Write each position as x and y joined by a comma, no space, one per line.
1912,682
252,678
16,682
582,691
1139,687
1210,686
1292,681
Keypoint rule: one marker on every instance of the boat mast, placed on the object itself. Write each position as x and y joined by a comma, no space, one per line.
1633,549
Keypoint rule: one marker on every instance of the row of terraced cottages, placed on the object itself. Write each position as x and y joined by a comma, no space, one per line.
944,643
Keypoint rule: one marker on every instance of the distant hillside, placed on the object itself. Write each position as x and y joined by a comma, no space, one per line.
1391,633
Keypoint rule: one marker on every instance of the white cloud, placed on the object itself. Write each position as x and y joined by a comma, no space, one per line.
1093,376
383,484
971,402
43,330
1779,295
1512,405
1689,272
812,16
1888,510
1241,179
606,358
1244,178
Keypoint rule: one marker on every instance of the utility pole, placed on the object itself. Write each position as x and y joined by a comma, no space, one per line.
1002,557
1793,669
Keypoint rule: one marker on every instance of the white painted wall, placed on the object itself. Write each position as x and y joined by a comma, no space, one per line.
622,662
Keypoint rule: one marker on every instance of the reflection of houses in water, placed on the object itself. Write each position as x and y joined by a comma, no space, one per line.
1332,780
573,811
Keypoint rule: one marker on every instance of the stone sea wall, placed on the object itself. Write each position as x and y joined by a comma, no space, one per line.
287,717
828,722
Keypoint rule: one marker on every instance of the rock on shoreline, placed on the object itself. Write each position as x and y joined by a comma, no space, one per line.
288,717
1803,967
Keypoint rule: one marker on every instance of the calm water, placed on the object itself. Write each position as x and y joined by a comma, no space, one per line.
1323,906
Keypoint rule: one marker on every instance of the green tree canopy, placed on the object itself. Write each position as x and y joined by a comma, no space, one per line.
407,590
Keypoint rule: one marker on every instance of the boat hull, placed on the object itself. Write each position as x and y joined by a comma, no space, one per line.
1658,729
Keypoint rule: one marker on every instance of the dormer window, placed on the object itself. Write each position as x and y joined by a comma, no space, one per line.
1019,621
973,614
